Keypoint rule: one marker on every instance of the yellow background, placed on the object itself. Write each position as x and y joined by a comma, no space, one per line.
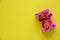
18,21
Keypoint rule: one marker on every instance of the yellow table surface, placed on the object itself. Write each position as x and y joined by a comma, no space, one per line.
18,21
